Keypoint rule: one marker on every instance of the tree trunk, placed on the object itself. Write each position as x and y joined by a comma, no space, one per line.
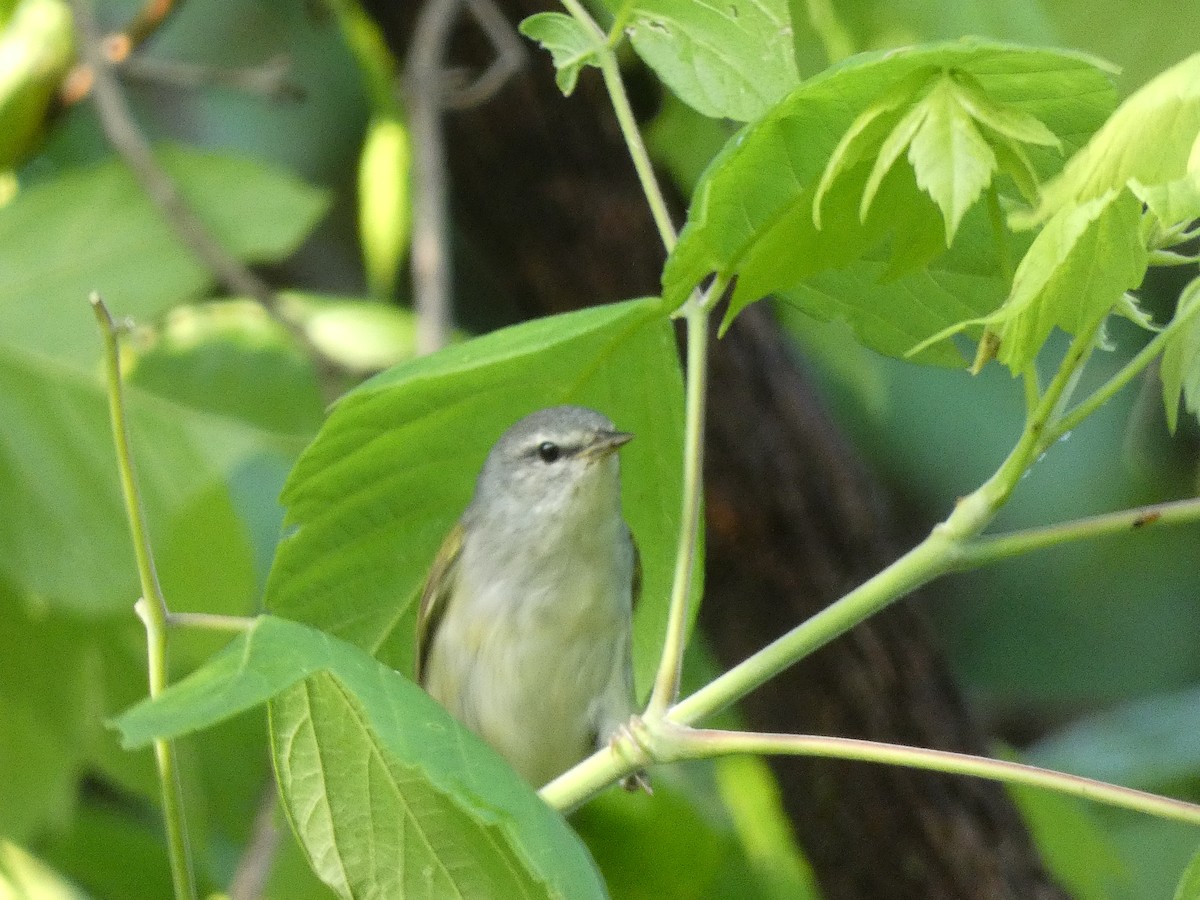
545,196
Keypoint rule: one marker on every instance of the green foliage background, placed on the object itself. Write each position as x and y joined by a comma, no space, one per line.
1088,648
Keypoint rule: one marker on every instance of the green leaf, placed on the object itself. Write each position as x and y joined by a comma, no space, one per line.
383,203
751,215
1153,137
36,49
865,136
94,229
49,704
1076,849
58,477
1149,743
233,359
1180,367
395,464
732,59
1074,274
1173,203
571,45
952,161
382,787
23,875
1189,883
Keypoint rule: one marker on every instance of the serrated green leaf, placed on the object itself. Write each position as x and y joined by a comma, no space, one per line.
1008,121
890,150
751,215
1173,203
865,135
1073,275
1012,161
732,59
571,45
395,464
1152,138
382,787
1189,882
952,161
93,229
1180,367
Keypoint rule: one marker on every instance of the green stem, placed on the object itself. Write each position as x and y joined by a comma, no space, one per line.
919,565
210,621
1131,369
670,667
698,744
611,71
986,550
152,609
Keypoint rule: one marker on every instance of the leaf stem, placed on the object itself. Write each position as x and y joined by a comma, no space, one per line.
152,608
1147,355
210,621
691,744
611,71
986,550
670,667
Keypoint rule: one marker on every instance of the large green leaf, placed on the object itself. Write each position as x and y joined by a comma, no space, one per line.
395,464
63,535
1189,882
731,59
752,214
388,795
49,704
1153,137
95,229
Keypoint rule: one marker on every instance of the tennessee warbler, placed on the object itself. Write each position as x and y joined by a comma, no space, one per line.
525,620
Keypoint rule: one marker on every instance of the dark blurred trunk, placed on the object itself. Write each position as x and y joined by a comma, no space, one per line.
545,196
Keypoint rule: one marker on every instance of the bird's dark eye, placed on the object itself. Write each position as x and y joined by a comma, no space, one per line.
548,451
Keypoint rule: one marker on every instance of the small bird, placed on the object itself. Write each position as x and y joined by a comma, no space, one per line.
524,627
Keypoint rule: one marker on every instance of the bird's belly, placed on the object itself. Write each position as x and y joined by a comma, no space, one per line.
531,676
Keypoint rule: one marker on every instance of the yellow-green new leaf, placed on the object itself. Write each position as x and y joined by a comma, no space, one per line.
1180,369
1072,277
1152,137
383,200
570,44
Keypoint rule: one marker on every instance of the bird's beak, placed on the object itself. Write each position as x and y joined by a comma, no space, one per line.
607,442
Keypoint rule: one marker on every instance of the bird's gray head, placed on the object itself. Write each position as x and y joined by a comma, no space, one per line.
554,460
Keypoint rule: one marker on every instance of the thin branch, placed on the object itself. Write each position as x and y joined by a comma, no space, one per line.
268,80
706,744
424,86
116,47
152,608
254,868
511,56
670,666
986,550
126,138
209,621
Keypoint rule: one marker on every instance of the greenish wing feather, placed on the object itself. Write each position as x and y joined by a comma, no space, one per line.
436,593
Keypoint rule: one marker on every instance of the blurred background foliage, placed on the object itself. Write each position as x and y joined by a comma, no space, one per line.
1085,658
